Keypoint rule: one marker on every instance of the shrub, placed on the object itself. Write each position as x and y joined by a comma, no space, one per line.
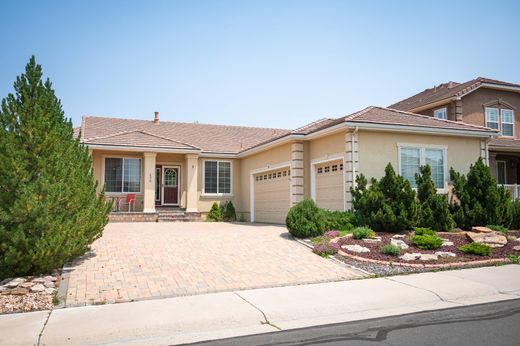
362,233
480,201
513,212
339,220
325,248
331,234
386,205
215,213
498,228
476,249
229,213
426,242
305,220
391,250
424,231
433,209
514,258
49,209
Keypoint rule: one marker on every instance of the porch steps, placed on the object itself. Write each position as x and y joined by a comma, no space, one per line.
176,215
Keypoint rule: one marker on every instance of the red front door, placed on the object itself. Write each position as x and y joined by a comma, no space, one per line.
170,185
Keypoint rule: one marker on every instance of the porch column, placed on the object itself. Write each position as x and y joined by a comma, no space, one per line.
192,167
351,167
149,183
297,192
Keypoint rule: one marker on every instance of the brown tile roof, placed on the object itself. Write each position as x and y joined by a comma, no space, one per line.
446,91
208,138
505,143
381,115
139,138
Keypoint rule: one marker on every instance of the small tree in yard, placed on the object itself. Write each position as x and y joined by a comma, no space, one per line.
386,205
479,200
49,208
433,210
215,213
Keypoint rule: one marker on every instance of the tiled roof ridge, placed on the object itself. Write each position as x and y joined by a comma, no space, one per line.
433,118
141,131
301,128
358,113
186,123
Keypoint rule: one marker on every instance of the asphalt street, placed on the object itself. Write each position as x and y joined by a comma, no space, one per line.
487,324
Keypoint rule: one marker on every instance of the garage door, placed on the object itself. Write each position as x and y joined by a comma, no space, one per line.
329,185
271,196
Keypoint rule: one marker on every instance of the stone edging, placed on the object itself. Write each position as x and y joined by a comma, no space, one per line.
425,265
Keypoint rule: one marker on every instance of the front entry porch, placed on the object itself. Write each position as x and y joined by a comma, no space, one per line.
505,167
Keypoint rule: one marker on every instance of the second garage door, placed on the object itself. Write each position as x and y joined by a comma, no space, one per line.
272,196
329,185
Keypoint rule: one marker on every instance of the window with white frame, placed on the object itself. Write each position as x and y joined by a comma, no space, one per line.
122,174
217,177
441,113
492,118
507,119
411,158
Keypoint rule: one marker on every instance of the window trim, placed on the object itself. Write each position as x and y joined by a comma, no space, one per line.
498,120
116,193
218,194
444,111
511,123
505,171
422,159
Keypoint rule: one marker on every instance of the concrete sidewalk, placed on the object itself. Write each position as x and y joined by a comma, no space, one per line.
220,315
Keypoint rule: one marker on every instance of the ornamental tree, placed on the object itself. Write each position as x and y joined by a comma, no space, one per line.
49,209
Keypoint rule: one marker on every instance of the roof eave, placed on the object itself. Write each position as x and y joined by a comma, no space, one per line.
420,129
141,148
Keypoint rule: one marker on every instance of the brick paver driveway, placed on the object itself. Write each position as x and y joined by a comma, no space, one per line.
135,261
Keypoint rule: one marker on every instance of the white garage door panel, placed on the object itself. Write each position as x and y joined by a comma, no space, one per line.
329,185
271,200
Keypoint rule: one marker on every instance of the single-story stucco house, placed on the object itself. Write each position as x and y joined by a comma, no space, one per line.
186,167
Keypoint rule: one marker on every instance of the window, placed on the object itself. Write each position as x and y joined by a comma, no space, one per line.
492,118
507,122
412,158
501,172
122,174
320,170
441,113
334,168
217,177
340,166
327,169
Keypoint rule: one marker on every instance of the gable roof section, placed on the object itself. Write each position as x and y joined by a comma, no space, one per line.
140,139
448,91
205,137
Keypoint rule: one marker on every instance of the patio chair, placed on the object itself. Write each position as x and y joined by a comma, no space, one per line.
130,199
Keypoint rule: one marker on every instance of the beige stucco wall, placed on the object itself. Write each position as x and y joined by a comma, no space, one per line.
270,157
328,145
377,148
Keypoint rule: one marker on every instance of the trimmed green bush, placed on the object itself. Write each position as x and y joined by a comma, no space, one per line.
426,242
229,212
513,212
305,220
498,228
50,211
391,250
215,213
479,200
386,205
424,231
339,220
433,209
476,249
362,233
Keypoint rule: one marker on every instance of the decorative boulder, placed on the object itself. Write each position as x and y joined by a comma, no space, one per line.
15,282
38,288
493,239
399,243
445,254
355,248
481,229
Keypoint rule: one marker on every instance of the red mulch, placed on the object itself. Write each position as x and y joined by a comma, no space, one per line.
458,240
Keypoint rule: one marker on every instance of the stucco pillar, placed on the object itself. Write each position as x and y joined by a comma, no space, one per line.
484,151
149,182
458,110
297,191
351,168
192,165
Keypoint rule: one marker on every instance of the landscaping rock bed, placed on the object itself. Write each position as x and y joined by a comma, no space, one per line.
25,294
448,253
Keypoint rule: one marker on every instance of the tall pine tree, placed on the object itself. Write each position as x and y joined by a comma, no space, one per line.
49,209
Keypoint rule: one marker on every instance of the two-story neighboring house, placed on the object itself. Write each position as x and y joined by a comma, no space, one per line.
483,102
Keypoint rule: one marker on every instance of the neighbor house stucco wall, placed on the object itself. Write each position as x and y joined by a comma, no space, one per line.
377,149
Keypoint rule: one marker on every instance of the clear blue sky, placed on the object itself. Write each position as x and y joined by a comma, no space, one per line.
259,63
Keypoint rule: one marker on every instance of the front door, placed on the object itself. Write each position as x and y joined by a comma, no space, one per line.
170,185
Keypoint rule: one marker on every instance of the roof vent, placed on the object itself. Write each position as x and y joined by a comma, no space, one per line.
156,118
451,85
